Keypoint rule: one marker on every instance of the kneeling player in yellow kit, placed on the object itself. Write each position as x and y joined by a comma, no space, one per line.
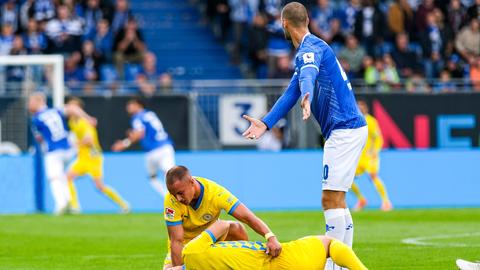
308,253
370,161
89,160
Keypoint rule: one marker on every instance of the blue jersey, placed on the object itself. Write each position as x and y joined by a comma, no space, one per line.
154,133
52,126
318,72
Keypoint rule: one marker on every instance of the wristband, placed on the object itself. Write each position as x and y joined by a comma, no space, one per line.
269,235
126,142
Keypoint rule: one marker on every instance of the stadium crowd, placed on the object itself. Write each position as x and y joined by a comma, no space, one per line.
383,42
100,40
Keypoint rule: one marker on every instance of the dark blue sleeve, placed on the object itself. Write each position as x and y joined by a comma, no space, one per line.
284,103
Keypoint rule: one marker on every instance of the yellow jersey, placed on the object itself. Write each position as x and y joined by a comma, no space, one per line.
374,141
195,219
204,253
82,128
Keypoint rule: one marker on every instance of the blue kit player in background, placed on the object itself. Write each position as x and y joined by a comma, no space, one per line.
148,129
326,92
50,127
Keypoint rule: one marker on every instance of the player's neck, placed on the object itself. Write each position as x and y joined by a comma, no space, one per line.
298,35
197,191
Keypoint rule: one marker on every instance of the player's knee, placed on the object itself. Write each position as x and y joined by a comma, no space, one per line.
237,231
333,199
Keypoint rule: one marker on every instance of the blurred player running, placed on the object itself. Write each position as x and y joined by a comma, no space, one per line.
148,129
49,125
327,93
309,253
194,203
370,161
89,160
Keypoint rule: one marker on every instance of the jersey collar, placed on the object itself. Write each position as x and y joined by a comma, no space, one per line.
199,200
303,39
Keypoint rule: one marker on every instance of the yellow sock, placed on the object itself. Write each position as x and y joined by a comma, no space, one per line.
377,182
344,256
73,196
114,196
356,191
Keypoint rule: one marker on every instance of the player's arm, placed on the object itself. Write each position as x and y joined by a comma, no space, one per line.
136,134
175,234
76,111
308,69
377,138
243,214
283,105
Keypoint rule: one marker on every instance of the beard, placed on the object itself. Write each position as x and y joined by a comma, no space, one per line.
287,35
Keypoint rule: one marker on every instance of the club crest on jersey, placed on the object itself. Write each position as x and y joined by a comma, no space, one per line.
308,58
169,213
207,217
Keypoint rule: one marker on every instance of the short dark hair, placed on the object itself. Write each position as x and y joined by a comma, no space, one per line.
176,173
137,100
77,101
296,14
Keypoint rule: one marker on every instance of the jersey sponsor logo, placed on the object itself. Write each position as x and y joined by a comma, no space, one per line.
207,217
169,213
308,58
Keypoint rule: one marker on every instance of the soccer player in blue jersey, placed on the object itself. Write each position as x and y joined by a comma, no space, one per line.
148,129
326,93
49,125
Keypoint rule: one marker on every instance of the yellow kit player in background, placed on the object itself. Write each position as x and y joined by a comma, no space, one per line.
195,203
205,252
89,160
370,161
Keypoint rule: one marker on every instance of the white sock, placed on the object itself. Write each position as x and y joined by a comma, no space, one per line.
158,186
348,240
60,198
335,228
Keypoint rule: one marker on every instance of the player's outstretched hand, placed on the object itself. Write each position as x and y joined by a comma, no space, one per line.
273,247
118,146
306,106
256,130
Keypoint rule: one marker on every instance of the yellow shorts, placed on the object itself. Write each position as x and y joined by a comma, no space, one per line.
367,165
307,253
90,166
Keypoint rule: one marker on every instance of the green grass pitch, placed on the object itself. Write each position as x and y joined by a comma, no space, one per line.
138,241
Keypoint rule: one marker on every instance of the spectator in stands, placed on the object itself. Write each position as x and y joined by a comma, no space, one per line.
64,32
456,14
383,75
120,16
321,16
400,17
353,55
467,42
6,39
475,74
92,15
257,45
433,41
239,10
369,26
445,84
390,70
25,13
148,77
417,83
426,7
103,40
348,15
90,61
16,73
335,37
43,10
129,47
10,14
406,60
278,46
35,41
454,68
284,68
74,74
217,13
473,12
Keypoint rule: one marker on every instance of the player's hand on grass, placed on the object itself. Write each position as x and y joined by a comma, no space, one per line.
306,106
273,247
256,130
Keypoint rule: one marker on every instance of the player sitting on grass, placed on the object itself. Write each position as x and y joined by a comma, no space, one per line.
89,160
195,203
370,161
308,253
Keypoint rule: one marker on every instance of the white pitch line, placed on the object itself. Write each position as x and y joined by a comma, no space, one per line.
423,241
